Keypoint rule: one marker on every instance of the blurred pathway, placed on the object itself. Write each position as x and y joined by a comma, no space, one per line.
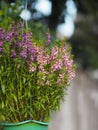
80,109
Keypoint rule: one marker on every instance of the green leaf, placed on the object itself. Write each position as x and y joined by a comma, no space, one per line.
24,80
3,88
2,118
14,97
2,104
1,12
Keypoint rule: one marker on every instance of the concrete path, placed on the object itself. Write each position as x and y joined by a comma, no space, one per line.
80,109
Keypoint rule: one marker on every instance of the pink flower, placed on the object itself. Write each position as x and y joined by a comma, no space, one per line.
41,68
32,69
60,78
67,62
42,58
71,76
43,78
65,58
57,65
39,59
54,53
48,83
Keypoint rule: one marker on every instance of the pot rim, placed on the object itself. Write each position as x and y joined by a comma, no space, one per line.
24,122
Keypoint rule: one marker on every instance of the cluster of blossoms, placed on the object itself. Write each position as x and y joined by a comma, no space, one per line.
49,65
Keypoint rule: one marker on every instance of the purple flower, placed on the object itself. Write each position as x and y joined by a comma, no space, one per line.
19,44
9,36
1,43
13,53
31,50
24,36
48,36
13,28
31,34
27,44
1,49
23,54
31,58
20,24
2,34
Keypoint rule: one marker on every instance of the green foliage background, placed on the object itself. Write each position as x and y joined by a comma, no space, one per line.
9,13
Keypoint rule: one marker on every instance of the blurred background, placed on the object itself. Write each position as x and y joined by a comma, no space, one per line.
76,21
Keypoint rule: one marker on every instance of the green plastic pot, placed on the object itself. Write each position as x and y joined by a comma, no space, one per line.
25,125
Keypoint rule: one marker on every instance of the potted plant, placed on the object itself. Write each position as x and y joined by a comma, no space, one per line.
33,78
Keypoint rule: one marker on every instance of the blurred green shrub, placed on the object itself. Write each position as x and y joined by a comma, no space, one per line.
9,12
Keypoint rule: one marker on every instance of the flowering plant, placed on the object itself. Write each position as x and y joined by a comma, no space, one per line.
33,75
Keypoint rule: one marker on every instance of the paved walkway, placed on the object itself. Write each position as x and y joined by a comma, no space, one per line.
80,109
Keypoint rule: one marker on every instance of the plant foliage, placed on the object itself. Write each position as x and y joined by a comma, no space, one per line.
33,75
